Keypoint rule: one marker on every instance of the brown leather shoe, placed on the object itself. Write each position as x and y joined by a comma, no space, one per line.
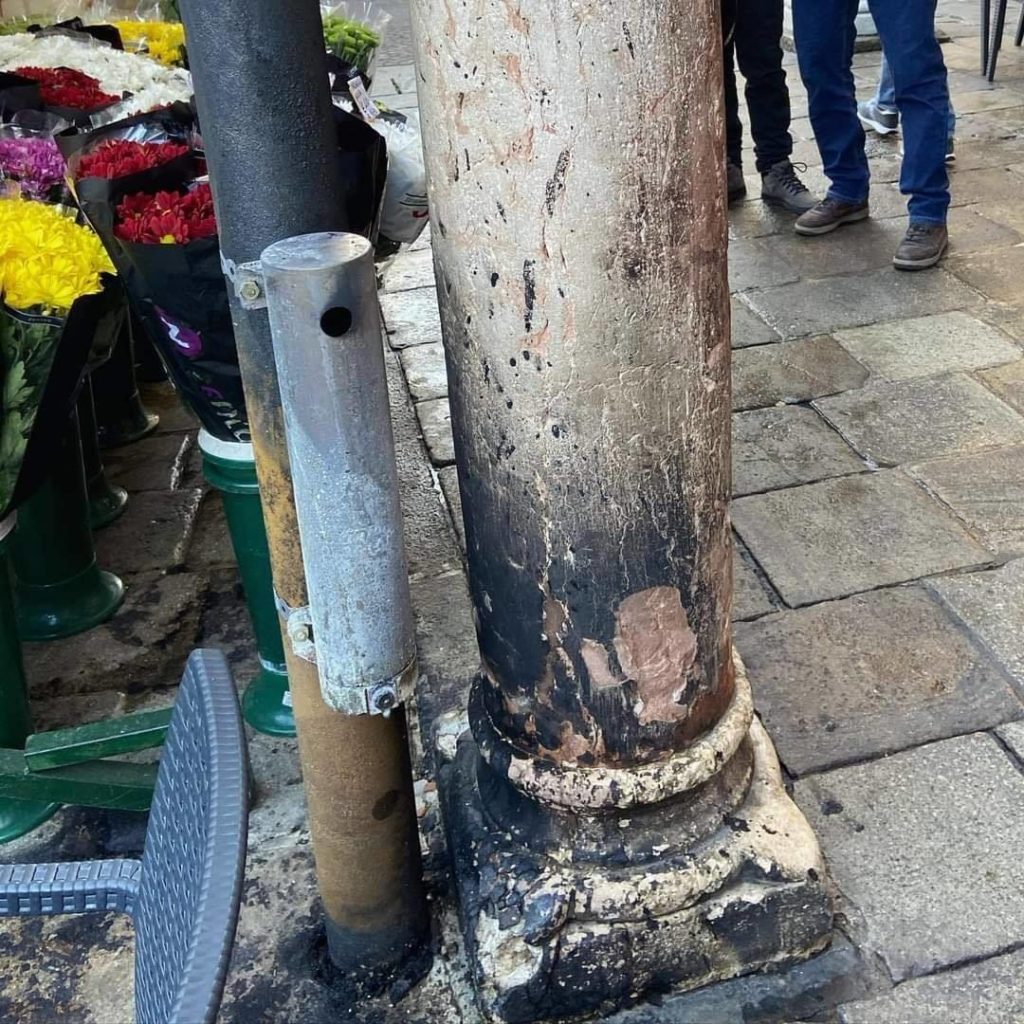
830,214
923,246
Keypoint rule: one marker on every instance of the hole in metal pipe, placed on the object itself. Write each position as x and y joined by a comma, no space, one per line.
336,321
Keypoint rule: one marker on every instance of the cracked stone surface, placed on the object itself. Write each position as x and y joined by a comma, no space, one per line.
817,307
408,271
928,345
990,604
838,682
750,597
855,533
912,420
776,448
145,643
152,534
923,901
986,993
986,491
1008,383
748,328
412,318
436,424
425,371
795,371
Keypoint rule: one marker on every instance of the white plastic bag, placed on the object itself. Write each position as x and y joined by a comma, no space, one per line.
404,209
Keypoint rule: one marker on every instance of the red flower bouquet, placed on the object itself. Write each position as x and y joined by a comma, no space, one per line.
167,218
65,87
118,158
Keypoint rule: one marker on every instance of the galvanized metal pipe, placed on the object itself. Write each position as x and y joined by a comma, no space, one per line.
260,76
322,299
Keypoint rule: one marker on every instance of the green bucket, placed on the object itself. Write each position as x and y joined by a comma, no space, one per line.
230,468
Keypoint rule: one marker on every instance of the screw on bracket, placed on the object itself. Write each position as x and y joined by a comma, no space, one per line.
383,698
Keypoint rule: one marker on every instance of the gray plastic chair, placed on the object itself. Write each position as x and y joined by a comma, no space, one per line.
185,892
992,34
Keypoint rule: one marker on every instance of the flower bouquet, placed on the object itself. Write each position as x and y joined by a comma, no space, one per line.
56,295
353,31
136,182
148,83
70,94
33,167
17,94
161,40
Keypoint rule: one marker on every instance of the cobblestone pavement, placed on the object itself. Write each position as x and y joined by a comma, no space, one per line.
879,575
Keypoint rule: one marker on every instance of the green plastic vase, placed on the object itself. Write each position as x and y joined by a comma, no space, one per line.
120,415
59,589
106,501
16,816
230,468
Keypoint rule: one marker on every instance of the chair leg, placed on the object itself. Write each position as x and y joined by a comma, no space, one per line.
986,20
997,38
1019,38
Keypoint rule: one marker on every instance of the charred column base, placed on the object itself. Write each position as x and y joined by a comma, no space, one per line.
566,915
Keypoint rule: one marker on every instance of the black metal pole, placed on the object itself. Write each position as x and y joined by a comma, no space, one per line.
262,93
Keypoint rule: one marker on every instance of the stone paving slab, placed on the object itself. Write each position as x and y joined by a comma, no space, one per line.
818,307
145,644
997,274
992,605
1012,735
412,318
436,424
152,534
925,846
157,463
971,231
756,264
210,542
876,673
750,598
920,346
164,401
449,477
868,245
926,418
430,542
748,328
1008,383
989,184
990,992
425,372
408,271
796,371
782,447
855,533
986,491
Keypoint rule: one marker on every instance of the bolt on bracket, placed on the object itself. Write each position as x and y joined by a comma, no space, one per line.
379,698
247,282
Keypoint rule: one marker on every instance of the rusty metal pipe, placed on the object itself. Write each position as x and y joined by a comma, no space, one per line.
260,77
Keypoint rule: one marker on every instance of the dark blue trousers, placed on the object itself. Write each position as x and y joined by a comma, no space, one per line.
825,34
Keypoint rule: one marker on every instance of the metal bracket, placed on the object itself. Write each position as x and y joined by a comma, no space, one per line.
298,627
247,281
376,699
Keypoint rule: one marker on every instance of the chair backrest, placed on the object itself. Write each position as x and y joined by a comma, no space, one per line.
194,857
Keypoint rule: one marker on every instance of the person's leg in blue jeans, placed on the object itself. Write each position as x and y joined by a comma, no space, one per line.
885,102
825,32
907,31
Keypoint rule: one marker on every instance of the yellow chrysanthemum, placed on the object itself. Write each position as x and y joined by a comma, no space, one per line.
47,260
162,40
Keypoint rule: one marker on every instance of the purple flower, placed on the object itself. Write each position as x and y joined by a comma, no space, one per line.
36,165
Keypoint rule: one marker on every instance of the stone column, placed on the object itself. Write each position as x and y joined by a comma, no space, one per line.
617,815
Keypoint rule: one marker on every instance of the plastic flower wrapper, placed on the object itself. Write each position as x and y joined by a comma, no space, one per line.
353,31
51,276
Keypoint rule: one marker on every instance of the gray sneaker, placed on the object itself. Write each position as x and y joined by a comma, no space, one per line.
923,246
830,214
782,187
877,118
735,182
